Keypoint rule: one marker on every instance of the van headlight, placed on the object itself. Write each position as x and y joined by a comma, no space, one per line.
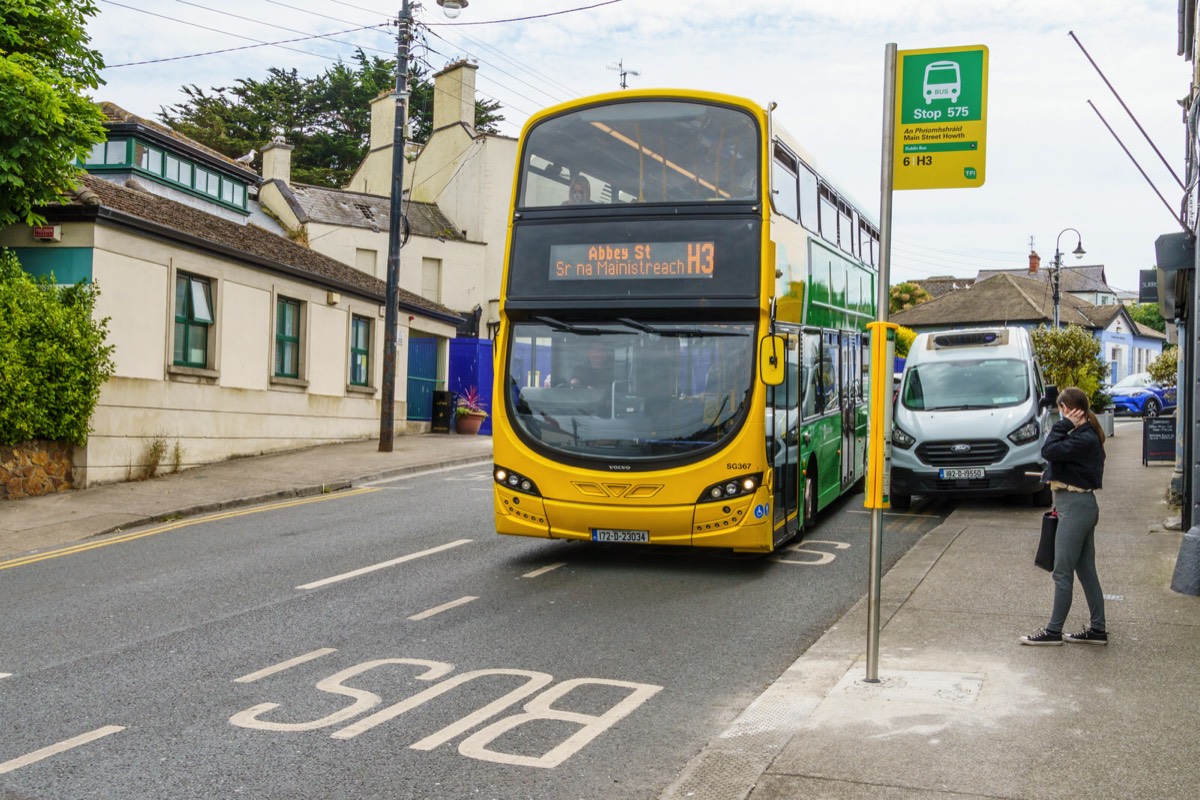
901,438
1025,434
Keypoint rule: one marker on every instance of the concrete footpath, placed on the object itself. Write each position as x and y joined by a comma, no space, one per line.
961,710
964,711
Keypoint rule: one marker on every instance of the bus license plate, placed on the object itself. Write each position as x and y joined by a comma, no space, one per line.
961,474
623,537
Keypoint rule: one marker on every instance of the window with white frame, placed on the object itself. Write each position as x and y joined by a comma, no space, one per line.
431,279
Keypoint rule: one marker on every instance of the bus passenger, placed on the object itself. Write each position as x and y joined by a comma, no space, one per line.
579,193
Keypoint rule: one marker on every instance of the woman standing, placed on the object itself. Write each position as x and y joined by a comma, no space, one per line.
1074,450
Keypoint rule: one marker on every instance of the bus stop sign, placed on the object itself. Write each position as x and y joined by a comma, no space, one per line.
941,118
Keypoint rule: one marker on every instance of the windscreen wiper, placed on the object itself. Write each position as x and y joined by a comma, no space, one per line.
567,327
680,332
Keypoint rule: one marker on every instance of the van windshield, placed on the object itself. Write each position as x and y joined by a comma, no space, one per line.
957,385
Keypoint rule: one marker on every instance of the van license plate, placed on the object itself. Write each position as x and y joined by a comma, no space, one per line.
624,537
961,474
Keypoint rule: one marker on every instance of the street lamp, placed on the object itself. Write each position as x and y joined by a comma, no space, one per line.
387,416
1078,253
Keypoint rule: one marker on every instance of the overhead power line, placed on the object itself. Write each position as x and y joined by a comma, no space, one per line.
523,19
257,42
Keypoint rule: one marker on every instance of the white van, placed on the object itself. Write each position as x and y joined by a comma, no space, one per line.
970,418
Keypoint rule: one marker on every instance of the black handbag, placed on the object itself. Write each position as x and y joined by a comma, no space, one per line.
1045,549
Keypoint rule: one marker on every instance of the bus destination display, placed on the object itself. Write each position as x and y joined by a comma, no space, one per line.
582,262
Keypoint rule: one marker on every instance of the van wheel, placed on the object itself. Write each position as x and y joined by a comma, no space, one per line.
901,502
1042,498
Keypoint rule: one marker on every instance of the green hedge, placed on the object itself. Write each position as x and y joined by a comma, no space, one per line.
1070,356
53,357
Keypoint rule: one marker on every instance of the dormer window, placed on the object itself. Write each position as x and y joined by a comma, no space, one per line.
124,155
112,152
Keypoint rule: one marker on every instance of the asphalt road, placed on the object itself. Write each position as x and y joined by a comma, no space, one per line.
385,643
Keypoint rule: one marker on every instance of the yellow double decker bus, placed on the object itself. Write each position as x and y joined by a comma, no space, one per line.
681,356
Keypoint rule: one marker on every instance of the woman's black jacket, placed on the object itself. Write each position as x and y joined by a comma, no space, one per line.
1075,455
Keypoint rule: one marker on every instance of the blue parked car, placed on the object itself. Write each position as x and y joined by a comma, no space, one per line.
1141,395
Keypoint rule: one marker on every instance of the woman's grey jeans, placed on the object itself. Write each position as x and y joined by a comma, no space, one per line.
1075,554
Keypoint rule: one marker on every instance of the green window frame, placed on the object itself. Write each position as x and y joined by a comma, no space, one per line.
148,158
287,338
360,351
193,319
113,151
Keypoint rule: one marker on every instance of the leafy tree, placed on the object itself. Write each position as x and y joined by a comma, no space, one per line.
1165,368
904,296
47,122
1147,314
53,358
904,340
1070,356
326,118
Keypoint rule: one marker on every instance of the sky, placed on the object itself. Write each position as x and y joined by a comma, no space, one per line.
1052,165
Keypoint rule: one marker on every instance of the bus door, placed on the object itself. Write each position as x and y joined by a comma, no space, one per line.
820,434
783,444
851,347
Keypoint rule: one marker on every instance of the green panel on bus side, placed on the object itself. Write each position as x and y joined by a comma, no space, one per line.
819,276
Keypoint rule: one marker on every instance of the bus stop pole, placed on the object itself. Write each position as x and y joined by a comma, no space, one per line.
881,381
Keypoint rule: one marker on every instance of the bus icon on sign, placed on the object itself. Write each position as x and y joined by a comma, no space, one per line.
942,80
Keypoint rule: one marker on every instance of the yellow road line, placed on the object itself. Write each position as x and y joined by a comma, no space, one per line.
128,537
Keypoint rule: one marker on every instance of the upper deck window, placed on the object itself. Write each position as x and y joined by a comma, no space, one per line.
641,151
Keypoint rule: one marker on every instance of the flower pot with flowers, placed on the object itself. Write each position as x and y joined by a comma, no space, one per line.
469,411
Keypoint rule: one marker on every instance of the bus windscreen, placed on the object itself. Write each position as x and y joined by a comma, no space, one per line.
641,151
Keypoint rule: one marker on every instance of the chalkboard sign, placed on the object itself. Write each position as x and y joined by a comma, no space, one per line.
443,408
1158,439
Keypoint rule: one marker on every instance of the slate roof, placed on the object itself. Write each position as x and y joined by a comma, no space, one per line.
943,284
1148,332
156,215
1000,299
318,204
1072,279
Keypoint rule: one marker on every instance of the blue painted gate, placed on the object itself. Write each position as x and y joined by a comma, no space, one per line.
422,377
471,365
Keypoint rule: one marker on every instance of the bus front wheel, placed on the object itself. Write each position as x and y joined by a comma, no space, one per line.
810,499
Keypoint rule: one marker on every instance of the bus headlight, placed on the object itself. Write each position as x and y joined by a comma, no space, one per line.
730,488
515,481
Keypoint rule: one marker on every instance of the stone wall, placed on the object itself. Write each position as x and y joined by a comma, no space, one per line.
34,468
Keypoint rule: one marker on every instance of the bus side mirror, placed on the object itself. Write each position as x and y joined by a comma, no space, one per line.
771,352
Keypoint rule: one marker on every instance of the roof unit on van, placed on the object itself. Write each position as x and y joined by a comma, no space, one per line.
991,338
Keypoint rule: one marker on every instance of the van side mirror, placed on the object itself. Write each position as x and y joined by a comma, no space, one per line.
772,351
1049,397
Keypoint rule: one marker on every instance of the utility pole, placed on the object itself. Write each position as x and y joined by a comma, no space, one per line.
387,421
